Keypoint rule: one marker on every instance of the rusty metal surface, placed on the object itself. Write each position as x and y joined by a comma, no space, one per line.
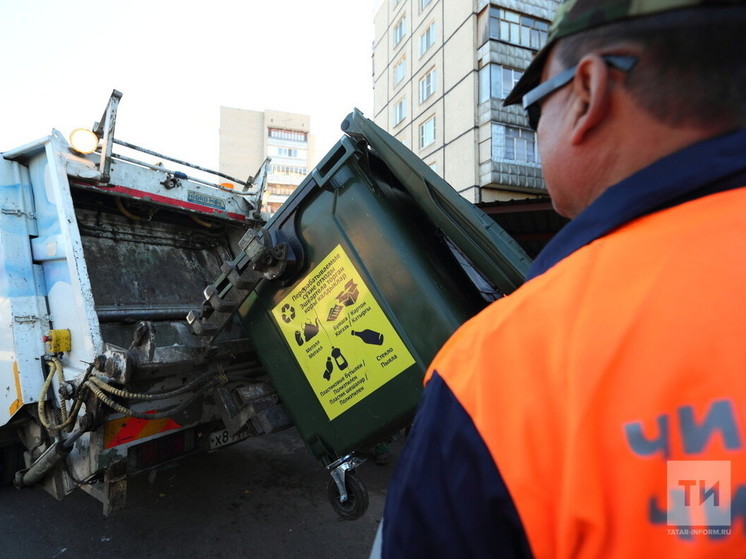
148,264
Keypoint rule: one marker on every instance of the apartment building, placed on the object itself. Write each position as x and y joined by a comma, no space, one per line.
441,69
248,137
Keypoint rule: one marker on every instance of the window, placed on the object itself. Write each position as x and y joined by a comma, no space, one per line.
424,4
400,30
285,152
512,27
400,111
287,135
400,70
427,39
281,190
514,144
287,170
497,81
427,85
427,132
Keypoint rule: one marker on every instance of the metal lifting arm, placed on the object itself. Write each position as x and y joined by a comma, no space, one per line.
263,255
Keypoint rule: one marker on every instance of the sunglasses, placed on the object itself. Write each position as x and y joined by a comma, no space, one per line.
532,99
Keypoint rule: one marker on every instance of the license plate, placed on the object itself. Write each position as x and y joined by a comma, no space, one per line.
222,438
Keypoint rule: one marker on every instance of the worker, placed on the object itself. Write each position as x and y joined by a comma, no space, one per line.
599,411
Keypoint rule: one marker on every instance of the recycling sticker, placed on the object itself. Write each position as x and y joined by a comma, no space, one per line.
340,336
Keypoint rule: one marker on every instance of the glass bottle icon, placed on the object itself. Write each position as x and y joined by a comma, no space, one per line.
369,336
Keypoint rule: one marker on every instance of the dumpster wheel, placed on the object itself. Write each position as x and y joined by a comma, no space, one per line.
357,497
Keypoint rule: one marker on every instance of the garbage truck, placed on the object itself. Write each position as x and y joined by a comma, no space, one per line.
151,310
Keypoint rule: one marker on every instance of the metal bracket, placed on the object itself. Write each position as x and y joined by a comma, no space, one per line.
338,470
25,319
18,213
259,179
105,131
264,255
171,181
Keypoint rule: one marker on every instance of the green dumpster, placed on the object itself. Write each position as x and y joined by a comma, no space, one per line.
387,261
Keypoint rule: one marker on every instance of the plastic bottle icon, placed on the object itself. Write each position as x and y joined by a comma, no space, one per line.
329,368
298,338
369,336
339,359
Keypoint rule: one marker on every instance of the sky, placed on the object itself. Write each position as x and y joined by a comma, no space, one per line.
177,62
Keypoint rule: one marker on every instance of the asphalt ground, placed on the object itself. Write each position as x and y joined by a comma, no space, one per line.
261,498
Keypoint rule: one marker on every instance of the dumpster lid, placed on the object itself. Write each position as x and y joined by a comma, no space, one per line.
492,251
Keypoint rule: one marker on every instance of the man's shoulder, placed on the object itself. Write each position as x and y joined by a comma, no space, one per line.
668,245
716,219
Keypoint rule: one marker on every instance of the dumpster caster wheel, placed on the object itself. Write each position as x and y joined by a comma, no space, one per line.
357,498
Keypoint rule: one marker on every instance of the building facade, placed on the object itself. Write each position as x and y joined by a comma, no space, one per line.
248,137
441,69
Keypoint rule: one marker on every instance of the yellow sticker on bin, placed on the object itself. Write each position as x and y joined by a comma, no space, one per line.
339,334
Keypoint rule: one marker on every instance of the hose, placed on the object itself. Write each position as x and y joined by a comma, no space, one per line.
141,415
55,366
126,212
99,388
103,385
201,222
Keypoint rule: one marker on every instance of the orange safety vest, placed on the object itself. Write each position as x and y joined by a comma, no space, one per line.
610,391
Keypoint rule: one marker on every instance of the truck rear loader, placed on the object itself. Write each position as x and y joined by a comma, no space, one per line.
150,312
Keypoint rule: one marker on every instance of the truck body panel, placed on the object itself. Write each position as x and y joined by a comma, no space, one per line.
102,256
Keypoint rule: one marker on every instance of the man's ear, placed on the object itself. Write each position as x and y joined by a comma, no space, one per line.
591,89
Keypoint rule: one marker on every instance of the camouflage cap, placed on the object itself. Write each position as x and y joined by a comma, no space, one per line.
573,16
